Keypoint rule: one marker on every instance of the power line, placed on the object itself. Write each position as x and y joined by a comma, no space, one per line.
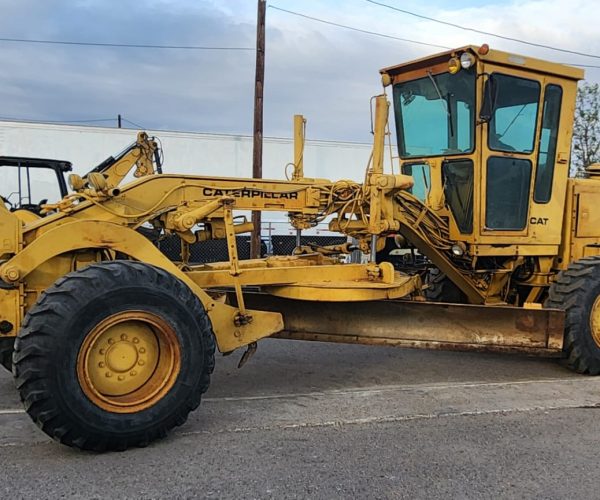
331,23
414,41
27,120
534,44
132,123
66,122
126,45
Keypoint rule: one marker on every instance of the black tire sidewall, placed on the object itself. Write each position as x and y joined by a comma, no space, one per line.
172,304
579,317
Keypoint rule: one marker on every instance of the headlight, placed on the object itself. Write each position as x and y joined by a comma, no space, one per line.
467,60
76,182
453,65
459,249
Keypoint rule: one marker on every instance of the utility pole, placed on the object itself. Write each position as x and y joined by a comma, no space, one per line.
255,241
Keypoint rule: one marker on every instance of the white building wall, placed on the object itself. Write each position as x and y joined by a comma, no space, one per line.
193,153
184,152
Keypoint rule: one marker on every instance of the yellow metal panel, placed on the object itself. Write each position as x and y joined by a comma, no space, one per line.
10,310
281,275
348,291
581,231
591,250
10,227
523,250
588,220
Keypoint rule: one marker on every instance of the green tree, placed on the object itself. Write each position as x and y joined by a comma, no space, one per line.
586,129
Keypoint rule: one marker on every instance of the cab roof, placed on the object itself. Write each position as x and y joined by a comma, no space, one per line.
494,56
22,161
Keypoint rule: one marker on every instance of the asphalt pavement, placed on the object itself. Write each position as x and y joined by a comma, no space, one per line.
315,420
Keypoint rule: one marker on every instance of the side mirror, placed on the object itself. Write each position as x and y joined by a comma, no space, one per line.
489,100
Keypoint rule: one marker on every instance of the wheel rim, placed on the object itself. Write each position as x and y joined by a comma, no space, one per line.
129,361
595,321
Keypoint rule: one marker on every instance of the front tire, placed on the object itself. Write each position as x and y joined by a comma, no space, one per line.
577,291
113,356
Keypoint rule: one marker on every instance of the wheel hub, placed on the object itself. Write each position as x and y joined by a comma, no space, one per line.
121,357
128,361
124,356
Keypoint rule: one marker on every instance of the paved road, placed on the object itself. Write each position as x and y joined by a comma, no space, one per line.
330,421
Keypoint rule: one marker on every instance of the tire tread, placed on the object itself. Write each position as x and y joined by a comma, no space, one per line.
568,292
31,362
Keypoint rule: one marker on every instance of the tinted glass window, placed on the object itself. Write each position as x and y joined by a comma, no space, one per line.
515,106
435,115
421,175
547,151
507,193
458,191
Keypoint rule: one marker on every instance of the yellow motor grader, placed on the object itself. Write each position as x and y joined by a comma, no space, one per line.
112,344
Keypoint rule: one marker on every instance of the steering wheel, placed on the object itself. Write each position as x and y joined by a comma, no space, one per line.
35,208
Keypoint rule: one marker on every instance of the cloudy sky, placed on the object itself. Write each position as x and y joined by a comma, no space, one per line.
325,72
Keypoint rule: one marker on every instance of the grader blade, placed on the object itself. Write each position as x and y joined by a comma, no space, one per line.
419,324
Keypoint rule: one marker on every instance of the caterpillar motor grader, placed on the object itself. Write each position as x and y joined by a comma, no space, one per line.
114,344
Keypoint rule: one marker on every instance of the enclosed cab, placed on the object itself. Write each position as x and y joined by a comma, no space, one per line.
487,135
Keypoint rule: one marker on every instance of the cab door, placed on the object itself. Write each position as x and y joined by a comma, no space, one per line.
512,106
524,162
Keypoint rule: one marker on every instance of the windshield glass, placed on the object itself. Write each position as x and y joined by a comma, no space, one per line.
435,115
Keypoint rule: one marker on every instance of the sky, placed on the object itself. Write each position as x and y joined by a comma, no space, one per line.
324,72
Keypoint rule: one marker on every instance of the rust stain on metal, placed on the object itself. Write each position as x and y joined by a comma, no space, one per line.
419,325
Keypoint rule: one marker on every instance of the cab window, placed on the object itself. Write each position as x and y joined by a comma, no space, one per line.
421,175
435,115
515,107
507,193
458,192
547,152
22,186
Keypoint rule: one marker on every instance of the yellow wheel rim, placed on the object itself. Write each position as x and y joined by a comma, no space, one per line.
129,361
595,321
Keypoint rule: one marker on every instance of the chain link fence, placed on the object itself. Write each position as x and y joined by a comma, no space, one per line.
216,250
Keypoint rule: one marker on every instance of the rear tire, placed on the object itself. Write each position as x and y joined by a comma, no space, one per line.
577,291
113,356
441,289
6,350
